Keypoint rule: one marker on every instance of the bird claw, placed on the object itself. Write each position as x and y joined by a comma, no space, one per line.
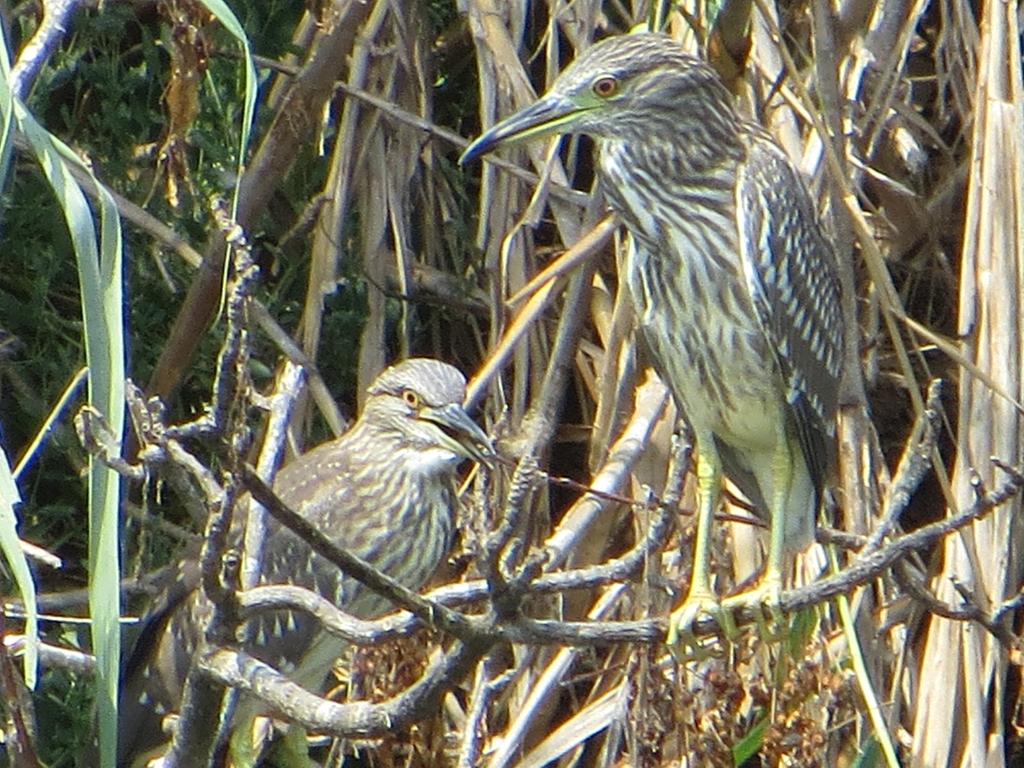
765,601
683,641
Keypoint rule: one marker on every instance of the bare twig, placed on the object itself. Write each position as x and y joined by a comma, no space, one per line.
969,611
862,570
357,719
43,43
55,657
19,726
282,405
233,357
913,466
485,688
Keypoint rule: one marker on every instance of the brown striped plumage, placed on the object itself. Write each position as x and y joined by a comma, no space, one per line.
735,288
384,491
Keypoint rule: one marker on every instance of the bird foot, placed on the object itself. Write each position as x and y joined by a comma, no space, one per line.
764,600
683,641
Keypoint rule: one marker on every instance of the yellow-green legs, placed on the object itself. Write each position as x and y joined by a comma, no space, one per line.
766,596
701,599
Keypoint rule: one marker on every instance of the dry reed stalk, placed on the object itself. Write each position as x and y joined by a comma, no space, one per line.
967,728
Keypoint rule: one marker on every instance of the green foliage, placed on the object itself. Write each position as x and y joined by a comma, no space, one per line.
67,699
747,748
103,87
102,94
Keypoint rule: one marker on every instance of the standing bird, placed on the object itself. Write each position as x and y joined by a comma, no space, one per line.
385,491
735,288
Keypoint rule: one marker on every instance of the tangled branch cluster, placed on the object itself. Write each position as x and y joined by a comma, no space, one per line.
512,574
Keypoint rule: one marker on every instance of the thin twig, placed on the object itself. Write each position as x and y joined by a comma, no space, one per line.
913,466
20,727
44,42
357,719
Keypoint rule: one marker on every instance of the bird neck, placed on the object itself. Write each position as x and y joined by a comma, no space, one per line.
692,150
416,463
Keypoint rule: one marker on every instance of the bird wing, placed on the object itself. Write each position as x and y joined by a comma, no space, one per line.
154,674
350,515
176,617
792,277
283,637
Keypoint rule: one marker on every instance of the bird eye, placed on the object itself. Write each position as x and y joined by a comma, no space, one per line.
605,86
411,398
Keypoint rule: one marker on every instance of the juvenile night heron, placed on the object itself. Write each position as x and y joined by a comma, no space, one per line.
385,491
734,285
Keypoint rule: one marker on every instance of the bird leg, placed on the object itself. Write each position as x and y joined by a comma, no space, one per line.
701,600
767,596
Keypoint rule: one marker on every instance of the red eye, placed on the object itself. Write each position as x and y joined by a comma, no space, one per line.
605,86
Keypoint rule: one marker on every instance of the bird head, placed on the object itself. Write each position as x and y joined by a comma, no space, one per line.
628,87
420,401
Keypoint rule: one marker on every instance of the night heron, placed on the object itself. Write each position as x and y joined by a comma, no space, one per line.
385,491
733,282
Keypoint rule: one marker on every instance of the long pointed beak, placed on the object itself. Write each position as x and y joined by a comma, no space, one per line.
461,433
547,116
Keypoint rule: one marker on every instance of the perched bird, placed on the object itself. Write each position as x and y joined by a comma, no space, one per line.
735,287
385,491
